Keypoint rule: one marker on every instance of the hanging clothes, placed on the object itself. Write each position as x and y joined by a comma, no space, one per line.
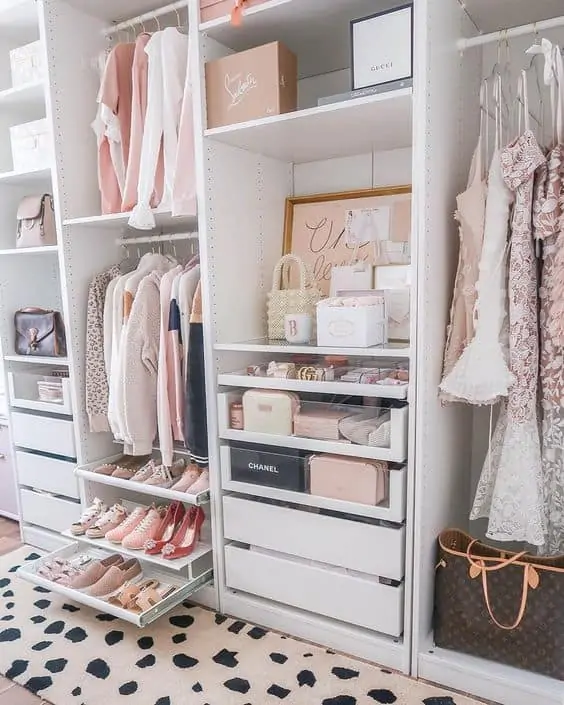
138,113
178,386
168,57
471,211
97,390
548,214
510,490
481,375
195,419
113,126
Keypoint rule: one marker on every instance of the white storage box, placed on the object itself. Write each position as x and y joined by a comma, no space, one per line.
31,145
352,327
382,48
27,64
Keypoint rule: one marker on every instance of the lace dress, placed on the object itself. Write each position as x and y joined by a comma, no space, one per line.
510,490
481,375
549,227
471,211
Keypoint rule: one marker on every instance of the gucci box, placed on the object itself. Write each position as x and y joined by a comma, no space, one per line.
382,48
251,84
260,466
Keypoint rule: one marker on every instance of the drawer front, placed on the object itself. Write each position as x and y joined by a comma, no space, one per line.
48,474
347,598
44,433
8,491
355,545
49,512
5,445
42,538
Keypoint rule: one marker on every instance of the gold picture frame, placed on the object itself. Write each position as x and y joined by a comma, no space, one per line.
314,227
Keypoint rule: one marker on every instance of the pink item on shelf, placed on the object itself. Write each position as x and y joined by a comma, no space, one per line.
145,472
114,578
126,527
266,411
108,521
144,531
188,479
202,484
94,572
319,422
214,9
349,479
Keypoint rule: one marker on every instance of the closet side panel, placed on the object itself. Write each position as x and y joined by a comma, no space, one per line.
74,41
446,129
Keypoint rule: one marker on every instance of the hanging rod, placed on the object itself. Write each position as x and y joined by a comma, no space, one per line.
509,33
166,10
146,239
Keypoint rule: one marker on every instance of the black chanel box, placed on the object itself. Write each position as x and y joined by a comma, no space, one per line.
259,465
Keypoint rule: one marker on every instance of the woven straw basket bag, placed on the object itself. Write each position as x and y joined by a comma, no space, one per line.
282,300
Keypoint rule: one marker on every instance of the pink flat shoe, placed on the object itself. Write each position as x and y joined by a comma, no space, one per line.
202,484
95,572
145,472
114,578
188,479
144,531
126,527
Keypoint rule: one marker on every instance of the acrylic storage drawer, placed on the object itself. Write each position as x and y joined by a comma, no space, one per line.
45,473
393,509
351,598
27,64
387,441
50,512
23,388
44,433
31,145
357,545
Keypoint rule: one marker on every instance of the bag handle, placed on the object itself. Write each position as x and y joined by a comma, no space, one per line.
282,268
503,563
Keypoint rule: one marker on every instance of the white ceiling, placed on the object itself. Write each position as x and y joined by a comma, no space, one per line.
493,15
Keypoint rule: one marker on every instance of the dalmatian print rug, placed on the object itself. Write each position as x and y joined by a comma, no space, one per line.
69,654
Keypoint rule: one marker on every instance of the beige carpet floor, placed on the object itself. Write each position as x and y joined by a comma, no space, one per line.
72,655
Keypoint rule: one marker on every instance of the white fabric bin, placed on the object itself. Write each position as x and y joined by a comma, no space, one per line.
353,327
31,145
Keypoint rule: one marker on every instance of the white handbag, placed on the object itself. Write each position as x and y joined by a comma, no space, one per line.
355,276
282,300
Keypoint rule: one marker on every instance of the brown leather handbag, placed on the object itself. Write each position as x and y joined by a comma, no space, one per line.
500,605
40,332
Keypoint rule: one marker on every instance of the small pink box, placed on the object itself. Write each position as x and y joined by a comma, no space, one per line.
319,423
349,479
214,9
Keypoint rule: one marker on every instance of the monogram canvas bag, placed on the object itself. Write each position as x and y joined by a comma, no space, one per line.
36,222
282,300
40,332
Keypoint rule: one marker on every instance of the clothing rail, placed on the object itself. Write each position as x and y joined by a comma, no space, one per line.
509,33
146,239
158,12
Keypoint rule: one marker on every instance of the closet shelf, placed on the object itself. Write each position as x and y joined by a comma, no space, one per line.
373,123
30,250
380,391
20,22
268,347
30,96
118,221
139,488
37,360
202,549
26,178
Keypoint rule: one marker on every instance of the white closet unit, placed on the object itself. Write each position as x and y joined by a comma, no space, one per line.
50,447
451,442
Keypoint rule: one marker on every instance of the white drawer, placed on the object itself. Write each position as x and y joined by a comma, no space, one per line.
5,445
347,598
48,474
50,512
363,547
44,433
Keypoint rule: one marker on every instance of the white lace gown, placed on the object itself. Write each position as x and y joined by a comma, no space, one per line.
510,491
481,374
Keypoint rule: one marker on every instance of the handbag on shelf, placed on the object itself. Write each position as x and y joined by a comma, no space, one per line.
39,332
499,605
36,222
282,300
349,479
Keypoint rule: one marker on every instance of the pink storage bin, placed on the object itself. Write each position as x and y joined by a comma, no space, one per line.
349,479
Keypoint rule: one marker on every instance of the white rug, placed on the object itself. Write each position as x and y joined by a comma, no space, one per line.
72,655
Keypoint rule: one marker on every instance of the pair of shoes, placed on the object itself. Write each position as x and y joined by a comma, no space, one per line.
126,470
193,481
89,517
140,526
186,536
105,576
166,529
110,468
140,597
107,521
166,477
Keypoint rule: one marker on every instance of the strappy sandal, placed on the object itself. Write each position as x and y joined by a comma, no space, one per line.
150,596
125,596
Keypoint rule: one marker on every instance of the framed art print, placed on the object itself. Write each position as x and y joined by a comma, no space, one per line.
338,229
